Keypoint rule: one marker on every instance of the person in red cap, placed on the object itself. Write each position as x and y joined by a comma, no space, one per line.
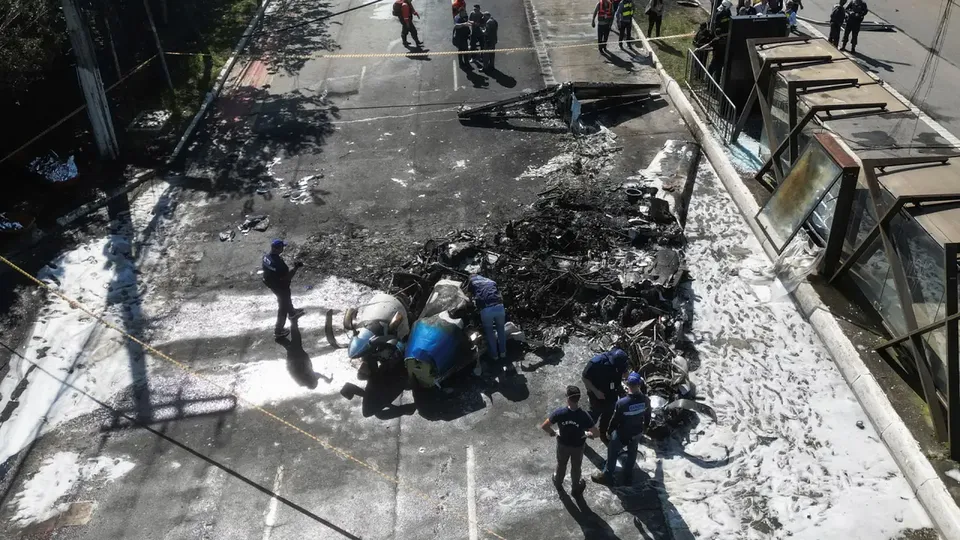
575,425
277,276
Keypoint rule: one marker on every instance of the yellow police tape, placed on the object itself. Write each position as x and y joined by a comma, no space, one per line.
339,451
503,51
458,53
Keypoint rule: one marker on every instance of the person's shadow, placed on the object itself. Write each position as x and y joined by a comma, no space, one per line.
592,525
299,364
502,78
645,498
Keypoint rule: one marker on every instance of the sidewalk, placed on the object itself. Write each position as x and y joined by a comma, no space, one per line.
786,458
873,382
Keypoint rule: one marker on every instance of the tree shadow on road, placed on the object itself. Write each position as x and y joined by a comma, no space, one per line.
289,35
248,132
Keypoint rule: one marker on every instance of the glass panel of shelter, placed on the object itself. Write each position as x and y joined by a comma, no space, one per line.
805,187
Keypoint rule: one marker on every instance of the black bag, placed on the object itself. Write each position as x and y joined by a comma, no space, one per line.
396,8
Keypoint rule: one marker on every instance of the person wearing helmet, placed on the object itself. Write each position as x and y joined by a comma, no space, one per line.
603,376
631,416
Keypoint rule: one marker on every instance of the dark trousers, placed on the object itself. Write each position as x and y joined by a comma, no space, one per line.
284,306
653,19
603,32
409,28
573,454
834,38
489,57
614,448
715,69
601,410
626,25
853,27
463,59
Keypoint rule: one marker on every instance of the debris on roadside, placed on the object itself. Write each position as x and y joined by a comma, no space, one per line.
9,224
594,258
256,223
54,169
301,192
228,235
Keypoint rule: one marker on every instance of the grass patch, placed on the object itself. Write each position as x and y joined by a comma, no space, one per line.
677,19
214,29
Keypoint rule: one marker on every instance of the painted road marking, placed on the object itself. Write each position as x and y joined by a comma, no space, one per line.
271,518
455,85
471,494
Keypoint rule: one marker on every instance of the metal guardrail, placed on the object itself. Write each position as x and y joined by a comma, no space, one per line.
720,111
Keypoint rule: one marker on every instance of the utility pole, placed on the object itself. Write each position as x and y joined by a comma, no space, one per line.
156,37
98,109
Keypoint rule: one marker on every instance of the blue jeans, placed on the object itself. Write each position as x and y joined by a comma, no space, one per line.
493,319
614,447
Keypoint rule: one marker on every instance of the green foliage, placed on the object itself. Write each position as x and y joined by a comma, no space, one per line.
32,40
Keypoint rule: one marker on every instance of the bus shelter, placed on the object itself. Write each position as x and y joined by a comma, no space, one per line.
880,191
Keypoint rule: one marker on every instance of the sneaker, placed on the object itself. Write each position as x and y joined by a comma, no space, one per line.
282,333
600,478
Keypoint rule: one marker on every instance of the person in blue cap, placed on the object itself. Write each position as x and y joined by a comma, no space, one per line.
486,296
277,276
603,376
574,426
631,416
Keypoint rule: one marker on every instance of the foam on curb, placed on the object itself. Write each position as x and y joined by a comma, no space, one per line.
929,488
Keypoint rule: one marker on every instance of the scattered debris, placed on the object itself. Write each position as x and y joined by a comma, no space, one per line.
227,235
151,121
301,192
9,224
257,223
54,169
860,424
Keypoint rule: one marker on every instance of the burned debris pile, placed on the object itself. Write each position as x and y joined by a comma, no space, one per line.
584,259
594,257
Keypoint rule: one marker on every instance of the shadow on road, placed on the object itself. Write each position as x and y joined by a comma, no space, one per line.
502,78
299,364
592,525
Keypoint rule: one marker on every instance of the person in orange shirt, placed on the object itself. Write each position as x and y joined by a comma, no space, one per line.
406,19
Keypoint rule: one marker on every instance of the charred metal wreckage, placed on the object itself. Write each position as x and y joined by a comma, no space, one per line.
601,260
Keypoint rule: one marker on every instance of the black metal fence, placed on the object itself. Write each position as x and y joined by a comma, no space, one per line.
719,110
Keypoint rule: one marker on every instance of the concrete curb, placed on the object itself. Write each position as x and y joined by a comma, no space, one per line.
926,484
221,81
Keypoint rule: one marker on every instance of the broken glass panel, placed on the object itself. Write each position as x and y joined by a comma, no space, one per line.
799,194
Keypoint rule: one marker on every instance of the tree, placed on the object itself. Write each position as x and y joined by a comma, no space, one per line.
32,41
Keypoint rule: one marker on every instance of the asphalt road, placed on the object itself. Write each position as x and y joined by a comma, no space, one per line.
899,57
396,162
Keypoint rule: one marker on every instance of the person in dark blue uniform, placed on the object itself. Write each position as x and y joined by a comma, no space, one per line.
603,376
631,416
277,276
487,298
575,425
